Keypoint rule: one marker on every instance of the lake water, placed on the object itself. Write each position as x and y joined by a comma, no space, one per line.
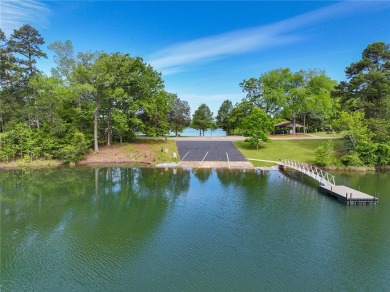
190,132
132,229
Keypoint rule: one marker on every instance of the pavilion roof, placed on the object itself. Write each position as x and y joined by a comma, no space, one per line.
288,124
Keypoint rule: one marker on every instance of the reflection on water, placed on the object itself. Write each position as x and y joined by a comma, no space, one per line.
196,229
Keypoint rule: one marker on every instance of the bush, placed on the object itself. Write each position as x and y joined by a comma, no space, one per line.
351,159
383,154
324,154
7,147
75,150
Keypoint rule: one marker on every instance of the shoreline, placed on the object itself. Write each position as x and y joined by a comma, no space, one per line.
148,153
41,164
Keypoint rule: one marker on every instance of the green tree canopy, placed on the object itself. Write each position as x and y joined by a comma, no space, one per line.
368,88
202,118
223,118
63,57
292,95
179,114
119,82
257,125
25,43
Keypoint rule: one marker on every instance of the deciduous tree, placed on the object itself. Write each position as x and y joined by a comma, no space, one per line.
223,118
202,119
179,114
257,125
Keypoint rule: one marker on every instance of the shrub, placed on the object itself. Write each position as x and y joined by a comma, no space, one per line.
75,150
351,159
324,154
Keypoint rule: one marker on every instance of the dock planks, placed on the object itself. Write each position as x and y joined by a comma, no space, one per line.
348,195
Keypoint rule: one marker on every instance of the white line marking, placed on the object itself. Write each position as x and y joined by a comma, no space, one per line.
184,156
228,159
205,156
200,164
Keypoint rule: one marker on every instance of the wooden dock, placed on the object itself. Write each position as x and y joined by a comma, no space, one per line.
327,184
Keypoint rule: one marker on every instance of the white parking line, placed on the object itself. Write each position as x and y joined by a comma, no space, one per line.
228,160
205,156
200,164
184,156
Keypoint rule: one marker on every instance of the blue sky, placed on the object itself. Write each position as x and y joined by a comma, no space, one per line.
205,49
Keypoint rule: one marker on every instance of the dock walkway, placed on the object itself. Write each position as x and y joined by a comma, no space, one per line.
327,184
348,195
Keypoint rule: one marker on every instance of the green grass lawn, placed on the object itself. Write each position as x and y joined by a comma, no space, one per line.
324,134
300,150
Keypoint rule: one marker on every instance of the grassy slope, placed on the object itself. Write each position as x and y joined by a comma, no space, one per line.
161,157
301,150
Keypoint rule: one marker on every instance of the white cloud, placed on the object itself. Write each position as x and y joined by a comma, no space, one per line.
15,13
174,58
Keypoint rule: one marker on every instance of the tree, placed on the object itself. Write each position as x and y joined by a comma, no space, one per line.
222,118
179,115
324,153
5,66
368,88
63,57
5,60
281,92
319,107
238,114
357,137
25,42
155,114
119,82
84,74
202,119
257,126
21,53
49,95
267,91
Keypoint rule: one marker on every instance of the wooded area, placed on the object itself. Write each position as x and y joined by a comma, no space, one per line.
89,99
358,109
94,98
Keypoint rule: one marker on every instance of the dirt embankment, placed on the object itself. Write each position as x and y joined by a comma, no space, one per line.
127,153
143,153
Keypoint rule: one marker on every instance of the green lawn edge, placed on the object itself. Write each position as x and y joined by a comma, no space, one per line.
299,150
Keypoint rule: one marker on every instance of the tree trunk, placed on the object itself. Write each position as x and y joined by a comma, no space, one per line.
177,133
294,124
38,124
95,127
109,127
2,124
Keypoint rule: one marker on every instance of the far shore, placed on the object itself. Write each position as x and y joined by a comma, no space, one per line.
147,152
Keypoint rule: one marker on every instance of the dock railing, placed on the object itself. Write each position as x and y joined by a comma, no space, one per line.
318,174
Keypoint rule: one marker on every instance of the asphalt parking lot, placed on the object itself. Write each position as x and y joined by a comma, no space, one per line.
208,151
